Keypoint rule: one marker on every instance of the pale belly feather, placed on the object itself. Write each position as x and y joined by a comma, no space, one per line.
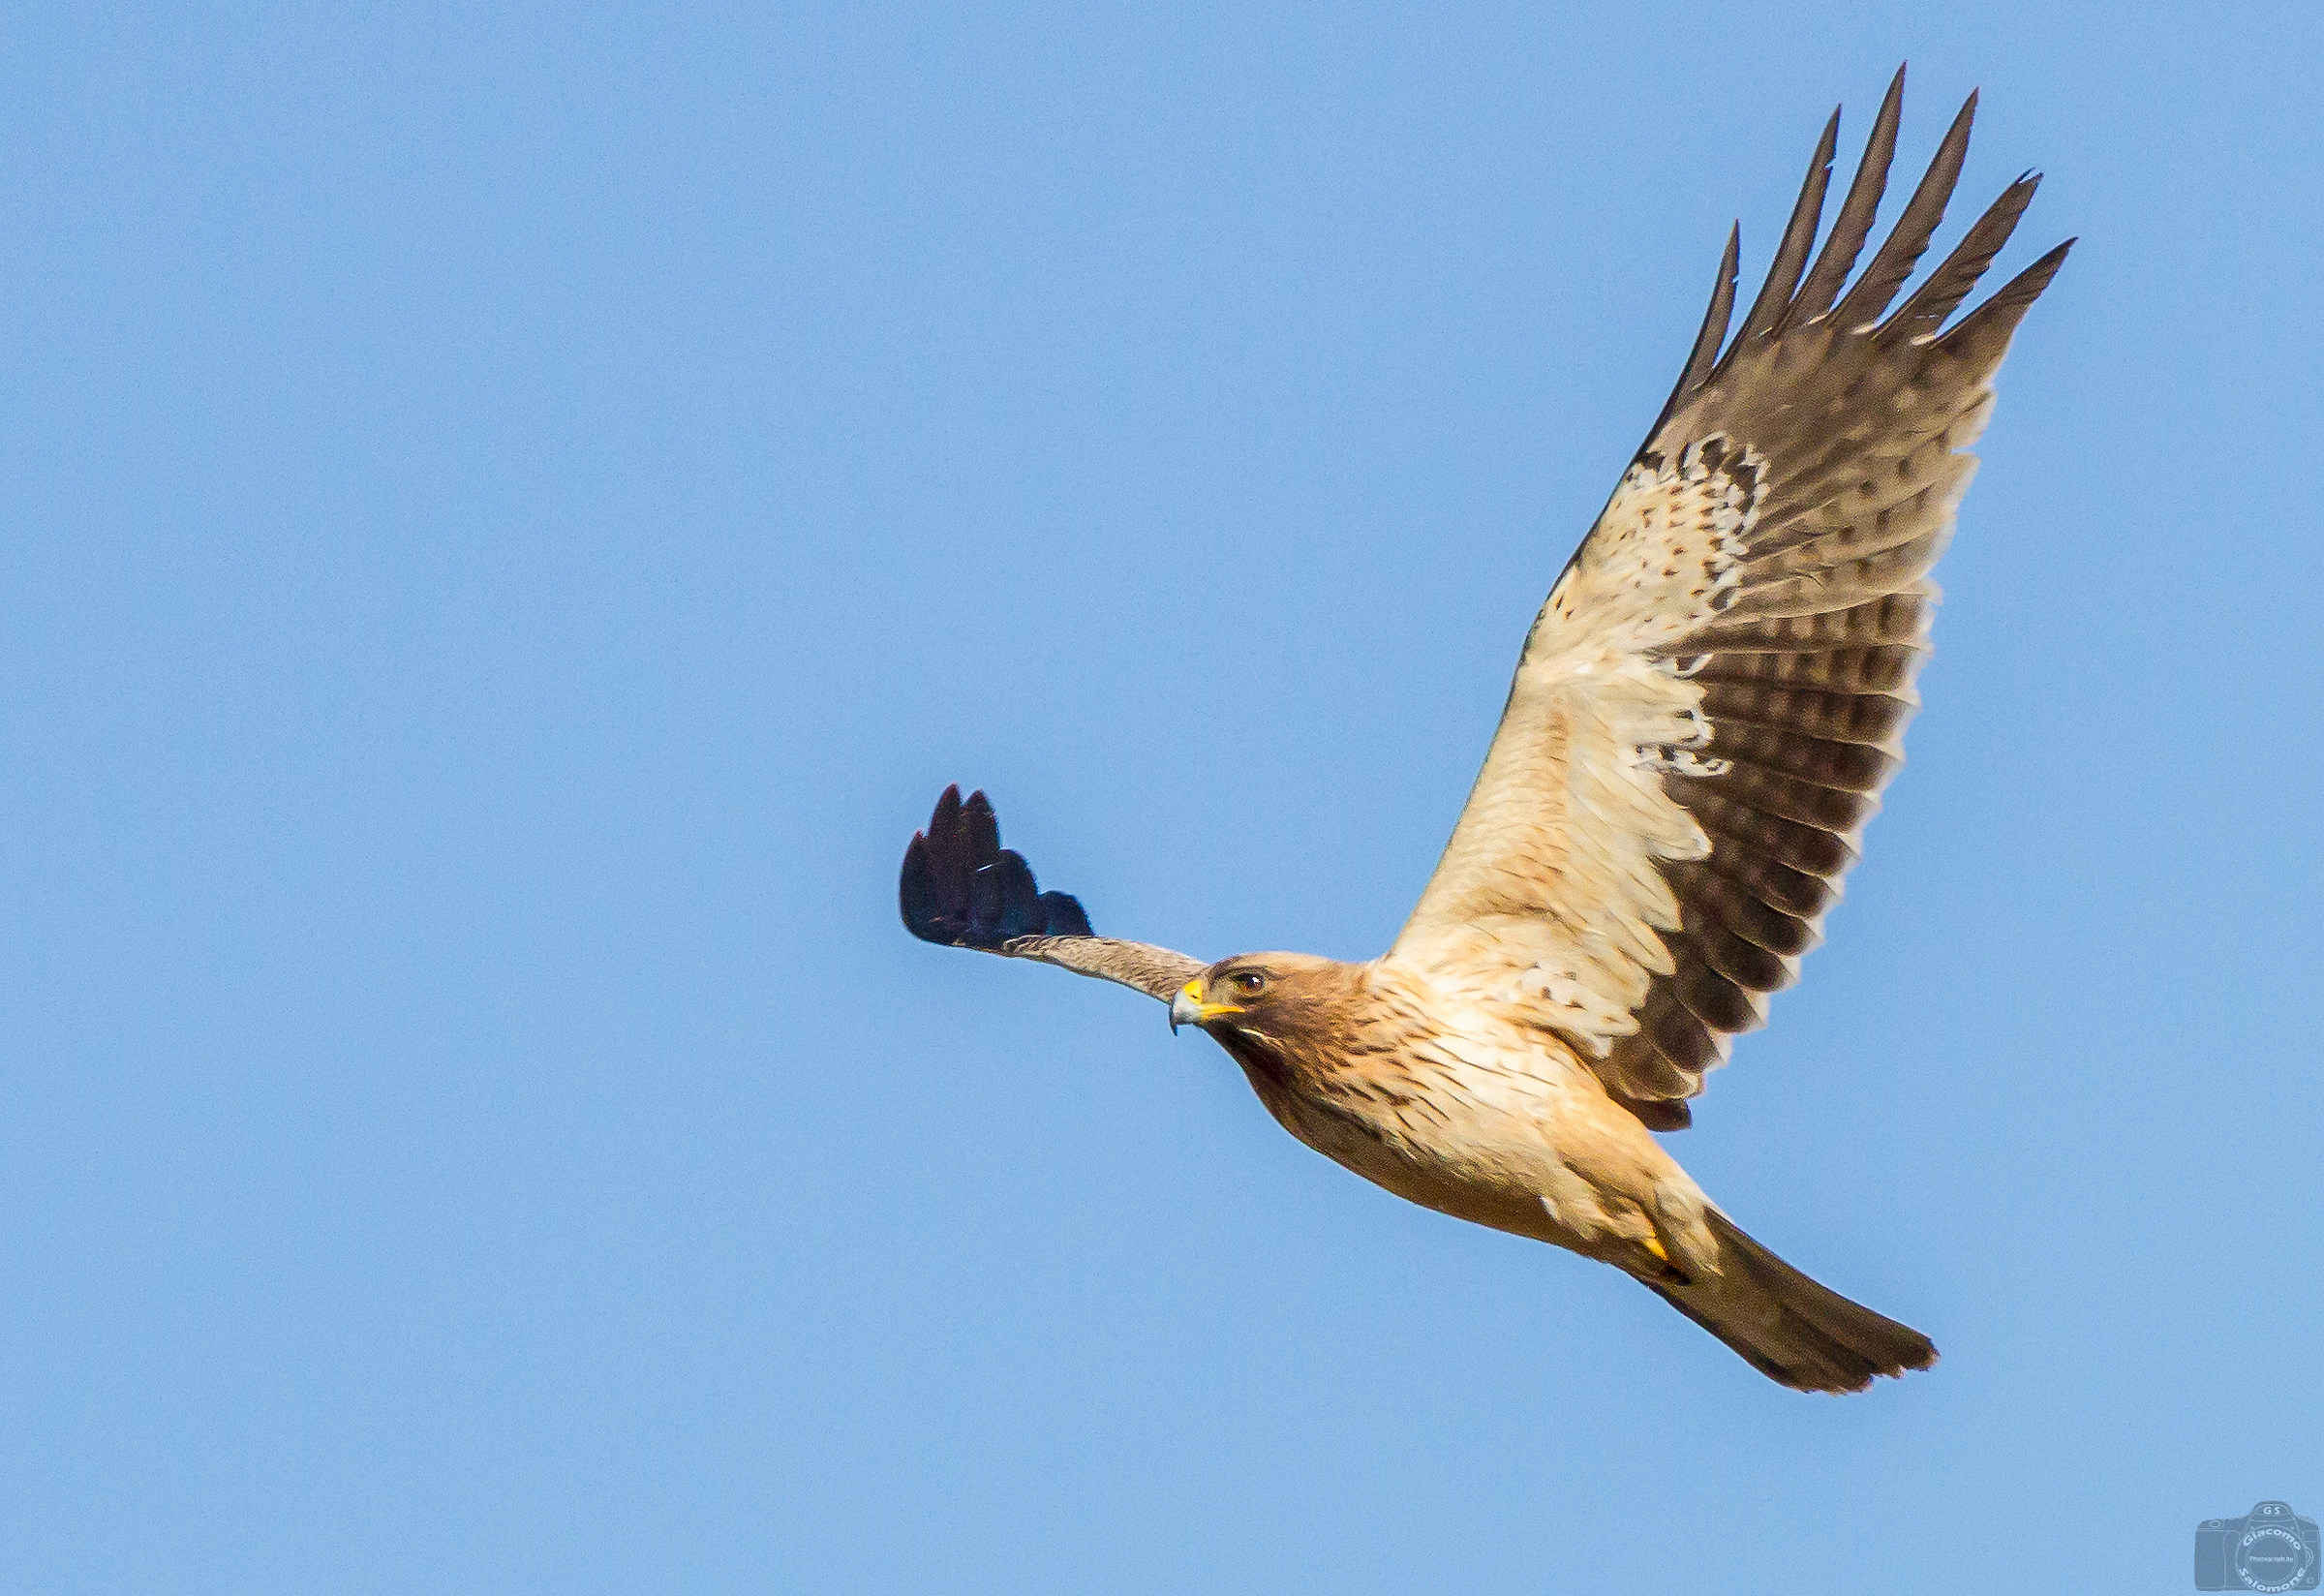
1503,1127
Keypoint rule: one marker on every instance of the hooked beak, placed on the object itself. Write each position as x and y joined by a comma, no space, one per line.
1188,1008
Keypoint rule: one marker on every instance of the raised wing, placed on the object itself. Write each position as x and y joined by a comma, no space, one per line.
960,887
1712,698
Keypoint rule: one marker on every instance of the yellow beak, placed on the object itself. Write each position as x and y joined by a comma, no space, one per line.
1188,1008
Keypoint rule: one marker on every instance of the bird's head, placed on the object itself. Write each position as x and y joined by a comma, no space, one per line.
1264,997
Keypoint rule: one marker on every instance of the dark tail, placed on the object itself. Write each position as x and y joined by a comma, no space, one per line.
1788,1327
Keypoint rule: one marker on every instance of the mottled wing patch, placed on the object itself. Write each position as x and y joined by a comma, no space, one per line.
1667,551
1716,690
1671,560
1549,898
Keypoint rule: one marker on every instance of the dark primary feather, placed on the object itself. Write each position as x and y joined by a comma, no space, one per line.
1950,284
1910,238
1984,332
1711,334
1857,212
962,888
1799,234
1807,674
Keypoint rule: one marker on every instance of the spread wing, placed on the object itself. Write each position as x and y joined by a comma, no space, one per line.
1712,698
960,887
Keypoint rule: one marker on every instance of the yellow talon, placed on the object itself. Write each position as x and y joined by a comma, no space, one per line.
1654,1245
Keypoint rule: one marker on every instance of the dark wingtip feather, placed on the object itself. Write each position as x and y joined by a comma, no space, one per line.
1853,224
1002,900
1984,332
1953,281
1768,310
1061,916
916,891
984,826
1909,237
961,888
1705,353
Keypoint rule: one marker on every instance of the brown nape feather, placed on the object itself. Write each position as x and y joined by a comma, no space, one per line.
1789,1328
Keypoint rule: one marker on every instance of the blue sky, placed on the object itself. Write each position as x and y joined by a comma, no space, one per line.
514,515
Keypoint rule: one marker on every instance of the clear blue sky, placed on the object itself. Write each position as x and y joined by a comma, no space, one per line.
514,514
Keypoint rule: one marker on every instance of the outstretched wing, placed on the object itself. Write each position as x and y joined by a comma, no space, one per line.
962,888
1712,698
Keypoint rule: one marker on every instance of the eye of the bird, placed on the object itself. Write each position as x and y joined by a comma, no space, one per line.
1248,981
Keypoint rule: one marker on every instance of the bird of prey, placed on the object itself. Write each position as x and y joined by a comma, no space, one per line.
1703,716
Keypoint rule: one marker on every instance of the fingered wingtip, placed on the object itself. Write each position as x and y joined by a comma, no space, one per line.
961,888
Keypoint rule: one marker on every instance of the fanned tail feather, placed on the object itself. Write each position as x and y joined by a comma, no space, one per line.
1788,1327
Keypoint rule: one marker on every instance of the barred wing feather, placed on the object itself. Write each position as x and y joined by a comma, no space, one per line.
1715,692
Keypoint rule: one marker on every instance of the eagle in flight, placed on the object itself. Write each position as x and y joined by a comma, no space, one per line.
1703,716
